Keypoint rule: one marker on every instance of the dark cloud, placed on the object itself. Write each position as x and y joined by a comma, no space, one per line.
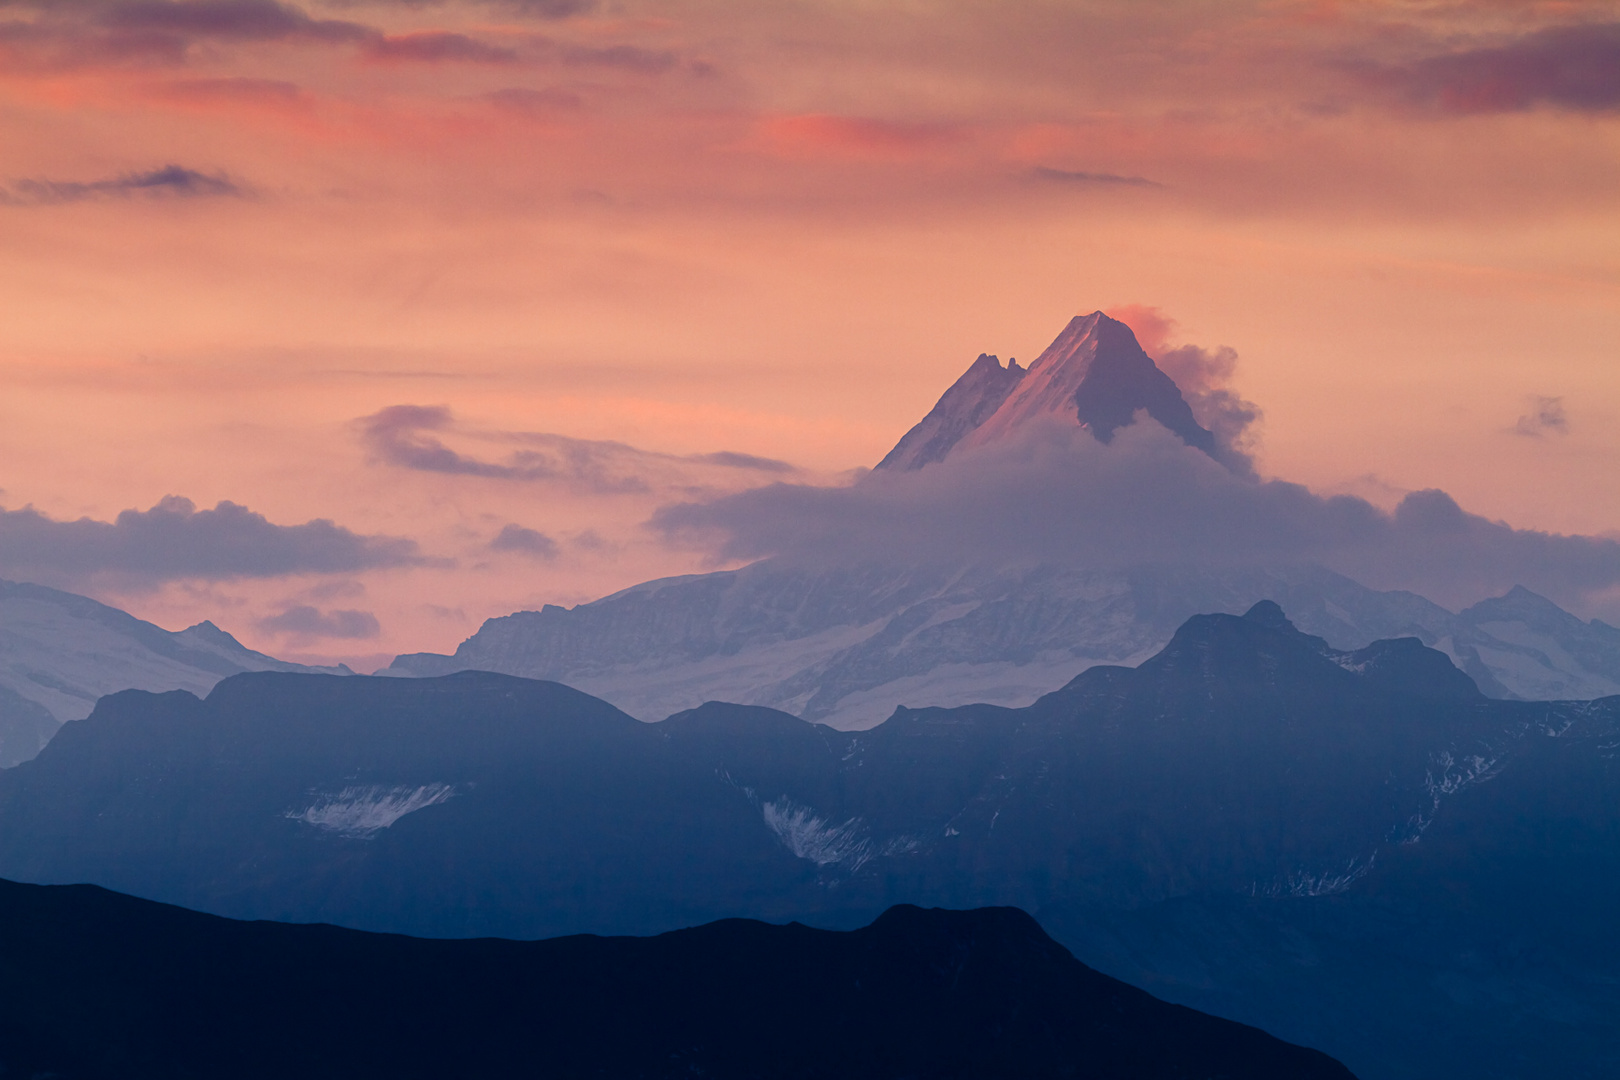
524,541
408,436
1546,417
1058,495
543,9
303,622
174,540
242,20
1567,67
437,46
1101,179
80,33
170,180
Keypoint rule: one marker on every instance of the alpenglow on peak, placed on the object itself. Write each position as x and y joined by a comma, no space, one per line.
1095,374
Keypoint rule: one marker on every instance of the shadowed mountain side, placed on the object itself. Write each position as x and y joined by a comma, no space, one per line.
1496,929
1247,761
101,985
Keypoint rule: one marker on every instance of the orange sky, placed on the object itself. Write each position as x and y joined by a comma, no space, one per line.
774,229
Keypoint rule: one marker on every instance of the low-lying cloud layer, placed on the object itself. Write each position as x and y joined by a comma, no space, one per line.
175,541
1057,495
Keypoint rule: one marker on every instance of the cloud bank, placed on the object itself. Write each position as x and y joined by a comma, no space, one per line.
1057,495
174,541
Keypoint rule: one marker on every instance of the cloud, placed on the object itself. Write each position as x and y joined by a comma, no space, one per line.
543,9
1546,417
1096,179
437,46
1204,377
1567,67
240,20
99,32
1058,495
174,541
171,181
409,437
305,623
525,541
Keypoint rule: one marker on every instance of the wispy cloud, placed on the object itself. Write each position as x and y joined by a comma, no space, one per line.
174,181
530,542
1095,179
304,624
412,437
1546,417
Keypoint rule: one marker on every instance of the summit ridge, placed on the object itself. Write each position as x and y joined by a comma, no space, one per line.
1094,374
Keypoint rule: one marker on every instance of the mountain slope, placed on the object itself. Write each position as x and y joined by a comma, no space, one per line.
846,646
60,652
102,985
1094,374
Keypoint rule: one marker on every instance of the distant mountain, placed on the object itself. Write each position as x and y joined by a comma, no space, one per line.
846,646
1245,774
100,985
60,652
1095,374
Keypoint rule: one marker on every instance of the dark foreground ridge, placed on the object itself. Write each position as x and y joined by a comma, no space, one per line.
98,984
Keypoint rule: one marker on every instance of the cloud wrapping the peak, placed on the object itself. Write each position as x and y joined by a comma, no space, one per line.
176,541
1056,495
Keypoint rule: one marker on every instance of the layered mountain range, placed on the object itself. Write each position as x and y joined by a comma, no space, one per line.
105,986
1252,821
60,652
845,645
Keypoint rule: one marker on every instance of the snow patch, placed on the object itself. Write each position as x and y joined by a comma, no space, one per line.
362,812
815,839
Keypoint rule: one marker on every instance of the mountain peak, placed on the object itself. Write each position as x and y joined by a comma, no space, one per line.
1094,374
1269,614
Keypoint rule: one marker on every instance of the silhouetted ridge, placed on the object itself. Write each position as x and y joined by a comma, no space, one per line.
100,985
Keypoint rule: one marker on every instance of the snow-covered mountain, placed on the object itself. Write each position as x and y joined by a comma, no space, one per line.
1095,374
59,652
845,646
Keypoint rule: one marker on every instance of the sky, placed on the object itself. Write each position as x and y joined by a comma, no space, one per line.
347,325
